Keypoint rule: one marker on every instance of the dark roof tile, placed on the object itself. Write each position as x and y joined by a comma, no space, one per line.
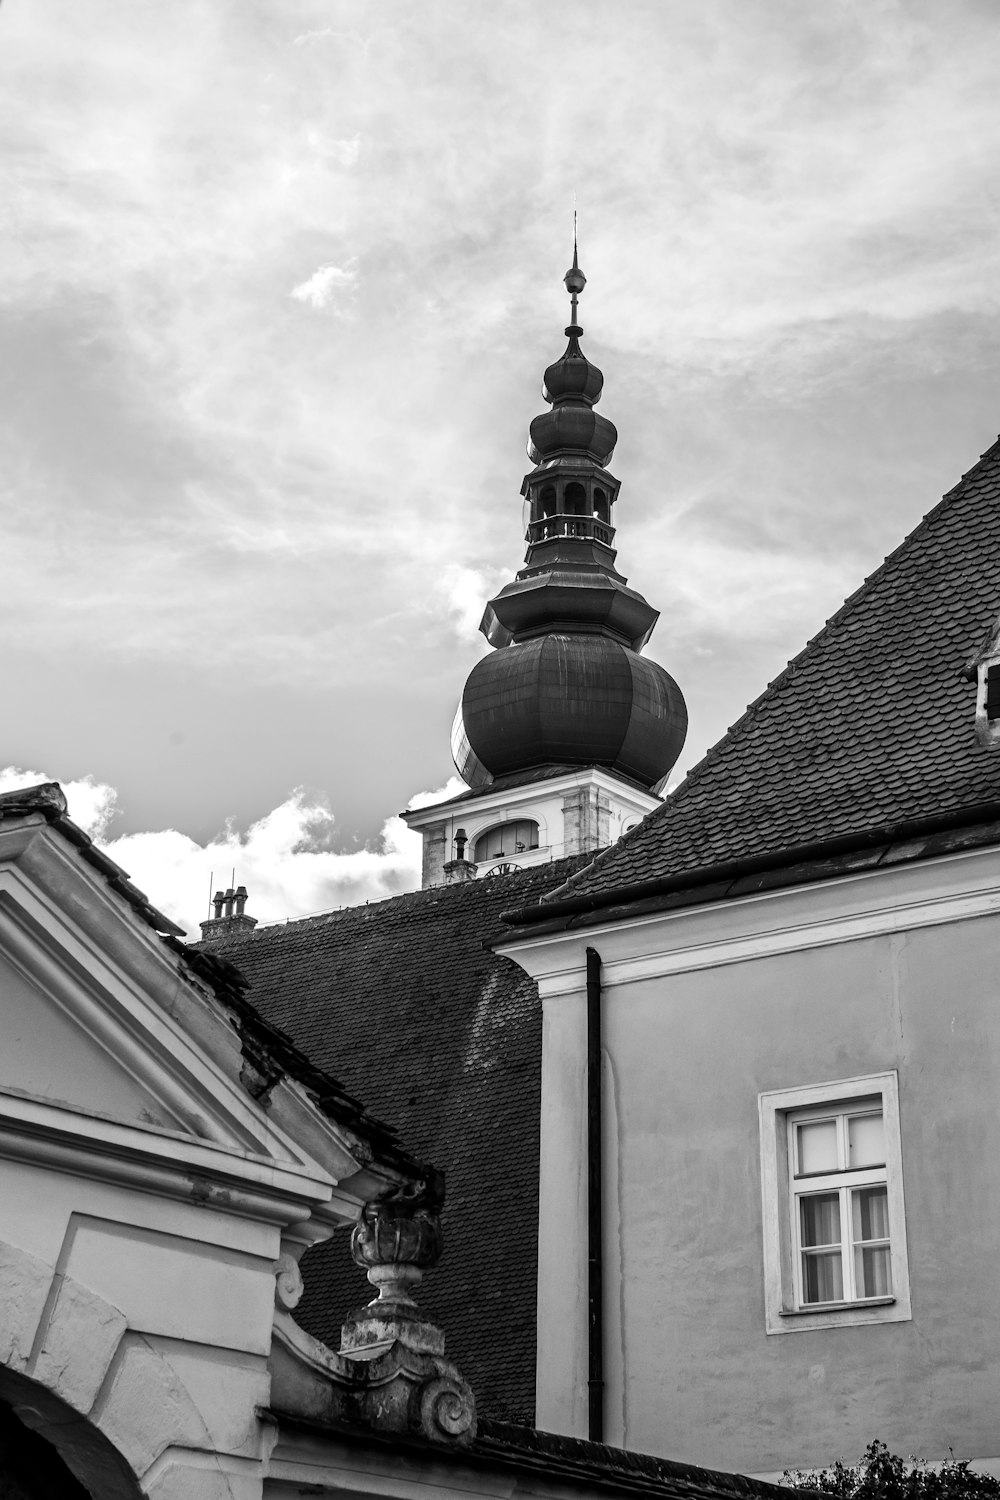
444,1039
868,725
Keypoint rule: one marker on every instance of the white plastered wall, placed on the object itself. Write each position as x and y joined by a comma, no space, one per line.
704,1010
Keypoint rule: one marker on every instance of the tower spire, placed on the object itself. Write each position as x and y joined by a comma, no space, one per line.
575,283
566,684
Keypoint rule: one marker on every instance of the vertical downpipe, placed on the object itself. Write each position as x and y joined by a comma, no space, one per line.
595,1214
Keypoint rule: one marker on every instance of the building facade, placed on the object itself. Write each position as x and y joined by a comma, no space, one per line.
800,1045
166,1156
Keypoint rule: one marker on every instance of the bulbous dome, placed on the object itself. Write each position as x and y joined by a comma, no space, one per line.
575,428
567,699
573,377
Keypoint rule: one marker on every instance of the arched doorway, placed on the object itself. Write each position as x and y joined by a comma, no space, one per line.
48,1451
30,1468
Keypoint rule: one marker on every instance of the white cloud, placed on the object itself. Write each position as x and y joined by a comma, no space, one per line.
324,283
287,859
451,788
466,591
92,803
344,152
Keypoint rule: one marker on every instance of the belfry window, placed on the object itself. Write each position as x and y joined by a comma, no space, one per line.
507,839
575,500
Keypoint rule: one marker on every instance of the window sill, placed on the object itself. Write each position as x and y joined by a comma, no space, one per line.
835,1307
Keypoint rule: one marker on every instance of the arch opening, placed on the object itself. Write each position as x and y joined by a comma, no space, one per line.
506,840
54,1453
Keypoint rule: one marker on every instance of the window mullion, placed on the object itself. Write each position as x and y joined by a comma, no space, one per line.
847,1244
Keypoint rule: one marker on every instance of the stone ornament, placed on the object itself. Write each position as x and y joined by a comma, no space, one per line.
390,1373
288,1283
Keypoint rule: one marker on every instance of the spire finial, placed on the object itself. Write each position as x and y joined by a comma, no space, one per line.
575,283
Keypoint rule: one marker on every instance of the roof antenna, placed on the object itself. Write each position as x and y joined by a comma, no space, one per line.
211,884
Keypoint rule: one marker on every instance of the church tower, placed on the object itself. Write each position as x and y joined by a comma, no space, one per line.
565,729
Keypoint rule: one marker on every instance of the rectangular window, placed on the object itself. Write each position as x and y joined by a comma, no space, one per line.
831,1179
839,1203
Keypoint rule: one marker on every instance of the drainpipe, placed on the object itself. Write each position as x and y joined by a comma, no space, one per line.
595,1261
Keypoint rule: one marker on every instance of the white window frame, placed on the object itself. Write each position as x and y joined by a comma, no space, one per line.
784,1310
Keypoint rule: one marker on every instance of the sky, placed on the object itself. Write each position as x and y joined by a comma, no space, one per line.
277,288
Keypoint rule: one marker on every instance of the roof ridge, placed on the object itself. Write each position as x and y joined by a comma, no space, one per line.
322,918
866,586
778,684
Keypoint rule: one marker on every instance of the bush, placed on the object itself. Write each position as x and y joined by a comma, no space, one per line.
881,1475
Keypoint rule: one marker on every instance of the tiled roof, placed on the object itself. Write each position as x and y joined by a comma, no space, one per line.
870,725
400,999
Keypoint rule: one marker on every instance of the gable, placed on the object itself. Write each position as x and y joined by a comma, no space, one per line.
47,1052
872,724
108,1036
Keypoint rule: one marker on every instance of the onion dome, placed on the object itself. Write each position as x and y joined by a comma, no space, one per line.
572,428
573,378
571,700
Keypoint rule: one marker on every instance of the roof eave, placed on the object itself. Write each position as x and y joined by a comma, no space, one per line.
821,859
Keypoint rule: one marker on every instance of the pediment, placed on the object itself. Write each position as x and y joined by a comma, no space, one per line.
48,1052
99,1019
127,1058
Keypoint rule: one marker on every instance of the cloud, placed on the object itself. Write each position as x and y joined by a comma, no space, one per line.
282,292
465,592
323,285
451,788
288,859
92,803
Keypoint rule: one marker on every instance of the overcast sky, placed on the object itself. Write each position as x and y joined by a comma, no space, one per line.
278,285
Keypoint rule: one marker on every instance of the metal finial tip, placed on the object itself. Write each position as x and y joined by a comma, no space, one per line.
575,279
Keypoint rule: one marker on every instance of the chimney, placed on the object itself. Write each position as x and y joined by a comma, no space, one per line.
229,920
460,868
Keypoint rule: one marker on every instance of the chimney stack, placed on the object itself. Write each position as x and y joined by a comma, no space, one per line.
229,919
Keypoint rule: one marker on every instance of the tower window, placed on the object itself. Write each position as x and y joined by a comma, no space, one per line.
575,501
602,510
506,839
547,501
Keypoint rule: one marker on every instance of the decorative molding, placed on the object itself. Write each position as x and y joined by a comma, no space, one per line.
755,929
150,1160
813,934
288,1283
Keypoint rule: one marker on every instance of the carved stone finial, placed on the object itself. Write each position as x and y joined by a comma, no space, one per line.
395,1240
390,1373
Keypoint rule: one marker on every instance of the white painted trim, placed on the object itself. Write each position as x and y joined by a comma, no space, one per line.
757,936
529,792
815,934
54,1123
773,1107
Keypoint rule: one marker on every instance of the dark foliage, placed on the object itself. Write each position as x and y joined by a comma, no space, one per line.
881,1475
